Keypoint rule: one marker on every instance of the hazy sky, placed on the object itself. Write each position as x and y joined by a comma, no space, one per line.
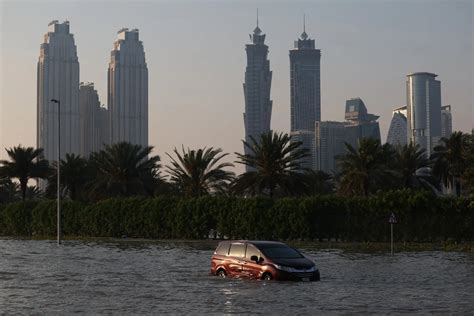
195,52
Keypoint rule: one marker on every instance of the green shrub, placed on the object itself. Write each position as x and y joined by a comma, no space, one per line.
421,217
15,219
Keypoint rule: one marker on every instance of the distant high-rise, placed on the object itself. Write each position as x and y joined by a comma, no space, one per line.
305,90
397,133
331,136
423,110
359,123
446,121
329,143
58,78
258,79
128,90
92,123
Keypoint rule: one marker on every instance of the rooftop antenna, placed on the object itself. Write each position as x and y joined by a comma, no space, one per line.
304,22
257,17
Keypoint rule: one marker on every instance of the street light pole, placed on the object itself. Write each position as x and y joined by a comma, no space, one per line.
59,172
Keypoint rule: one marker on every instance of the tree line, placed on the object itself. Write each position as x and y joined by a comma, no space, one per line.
421,218
274,170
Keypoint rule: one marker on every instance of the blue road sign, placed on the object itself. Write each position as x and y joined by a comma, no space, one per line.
392,219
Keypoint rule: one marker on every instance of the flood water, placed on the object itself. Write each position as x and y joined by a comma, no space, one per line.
130,277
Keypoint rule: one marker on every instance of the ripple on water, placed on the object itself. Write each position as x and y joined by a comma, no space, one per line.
129,277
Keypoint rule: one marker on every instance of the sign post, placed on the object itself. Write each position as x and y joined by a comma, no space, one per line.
392,220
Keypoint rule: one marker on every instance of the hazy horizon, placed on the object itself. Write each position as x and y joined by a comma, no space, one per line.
196,60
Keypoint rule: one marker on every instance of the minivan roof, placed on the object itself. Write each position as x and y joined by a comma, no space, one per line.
256,242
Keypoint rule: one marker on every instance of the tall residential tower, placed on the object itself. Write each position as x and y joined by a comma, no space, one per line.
128,90
423,110
305,90
258,79
58,78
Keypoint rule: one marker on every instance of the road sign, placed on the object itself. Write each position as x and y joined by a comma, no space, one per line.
392,219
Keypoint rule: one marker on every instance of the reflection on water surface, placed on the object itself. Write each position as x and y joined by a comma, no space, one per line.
155,277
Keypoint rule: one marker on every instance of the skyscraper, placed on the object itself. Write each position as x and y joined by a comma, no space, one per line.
359,123
58,78
331,136
92,123
397,133
128,90
305,91
423,110
329,143
258,79
446,121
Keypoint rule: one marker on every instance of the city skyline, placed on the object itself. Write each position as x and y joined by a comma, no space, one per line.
197,104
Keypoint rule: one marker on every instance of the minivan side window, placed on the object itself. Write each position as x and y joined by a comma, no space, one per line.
251,251
237,250
223,249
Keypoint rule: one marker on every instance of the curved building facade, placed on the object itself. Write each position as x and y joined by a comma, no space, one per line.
423,110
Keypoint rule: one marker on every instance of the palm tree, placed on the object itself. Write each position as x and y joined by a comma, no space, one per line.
198,172
8,190
25,163
123,169
366,169
318,182
414,167
74,175
274,166
33,193
449,159
467,177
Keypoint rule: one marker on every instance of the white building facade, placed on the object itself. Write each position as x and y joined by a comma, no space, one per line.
58,78
128,90
93,123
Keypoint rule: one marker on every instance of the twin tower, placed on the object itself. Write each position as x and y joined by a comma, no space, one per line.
85,126
305,91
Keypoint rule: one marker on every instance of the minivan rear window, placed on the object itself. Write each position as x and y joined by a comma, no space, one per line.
223,248
237,250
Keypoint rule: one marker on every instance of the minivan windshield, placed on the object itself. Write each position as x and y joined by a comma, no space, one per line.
280,251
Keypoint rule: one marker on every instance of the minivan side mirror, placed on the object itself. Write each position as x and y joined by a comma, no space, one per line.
256,259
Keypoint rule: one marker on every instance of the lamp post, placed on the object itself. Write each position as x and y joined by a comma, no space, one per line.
59,169
392,220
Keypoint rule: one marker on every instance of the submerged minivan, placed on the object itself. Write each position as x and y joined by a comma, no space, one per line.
266,260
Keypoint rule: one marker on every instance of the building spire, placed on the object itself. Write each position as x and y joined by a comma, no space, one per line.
257,30
257,17
304,35
304,22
